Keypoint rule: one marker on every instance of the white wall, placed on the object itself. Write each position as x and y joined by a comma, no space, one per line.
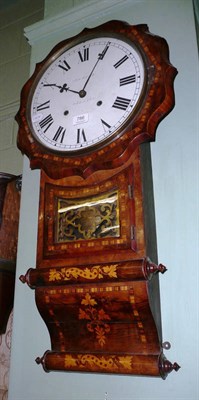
175,170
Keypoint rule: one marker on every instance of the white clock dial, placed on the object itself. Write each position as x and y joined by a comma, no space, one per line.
87,94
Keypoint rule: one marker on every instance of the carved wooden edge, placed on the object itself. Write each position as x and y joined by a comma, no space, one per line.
8,266
110,272
132,364
158,102
4,180
7,283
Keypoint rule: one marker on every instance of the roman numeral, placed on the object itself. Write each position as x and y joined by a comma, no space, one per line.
84,55
81,137
105,124
59,135
43,106
127,80
65,67
46,122
121,103
120,62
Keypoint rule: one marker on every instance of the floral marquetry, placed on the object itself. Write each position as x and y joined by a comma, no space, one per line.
96,318
96,272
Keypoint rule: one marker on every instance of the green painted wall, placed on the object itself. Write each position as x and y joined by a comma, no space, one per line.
14,71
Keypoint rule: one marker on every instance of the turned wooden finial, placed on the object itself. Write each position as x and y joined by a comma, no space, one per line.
165,366
151,269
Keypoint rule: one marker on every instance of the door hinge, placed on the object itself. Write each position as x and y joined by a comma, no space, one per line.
130,191
132,232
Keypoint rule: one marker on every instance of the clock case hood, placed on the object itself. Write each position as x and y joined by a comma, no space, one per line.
157,101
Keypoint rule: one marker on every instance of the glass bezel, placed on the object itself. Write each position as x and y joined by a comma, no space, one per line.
86,149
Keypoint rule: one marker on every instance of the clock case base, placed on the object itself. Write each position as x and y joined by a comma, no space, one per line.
135,364
102,316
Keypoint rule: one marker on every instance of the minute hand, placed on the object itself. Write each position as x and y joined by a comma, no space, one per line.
100,57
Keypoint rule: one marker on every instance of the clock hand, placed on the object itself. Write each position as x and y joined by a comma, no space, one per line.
81,93
67,89
53,85
100,57
62,88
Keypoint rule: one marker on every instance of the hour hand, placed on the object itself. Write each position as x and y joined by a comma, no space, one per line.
54,85
62,88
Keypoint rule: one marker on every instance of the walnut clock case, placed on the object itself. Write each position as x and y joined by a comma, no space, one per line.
84,117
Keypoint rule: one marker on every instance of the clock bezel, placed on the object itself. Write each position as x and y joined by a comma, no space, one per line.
86,150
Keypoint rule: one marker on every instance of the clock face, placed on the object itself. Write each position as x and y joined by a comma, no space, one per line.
86,94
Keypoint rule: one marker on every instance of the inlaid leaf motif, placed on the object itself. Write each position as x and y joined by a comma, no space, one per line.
88,300
54,275
70,361
126,361
102,315
110,270
100,335
83,314
96,317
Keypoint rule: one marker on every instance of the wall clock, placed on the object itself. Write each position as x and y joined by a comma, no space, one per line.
84,117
